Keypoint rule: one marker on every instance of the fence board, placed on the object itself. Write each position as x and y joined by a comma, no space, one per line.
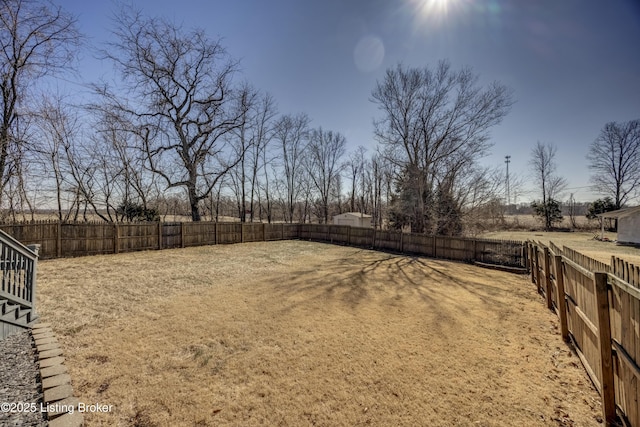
388,240
198,234
585,261
252,232
137,237
502,252
229,232
339,234
171,235
273,231
582,317
362,237
625,333
626,271
291,231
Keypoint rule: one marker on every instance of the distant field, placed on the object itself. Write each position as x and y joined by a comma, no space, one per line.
580,241
532,222
300,333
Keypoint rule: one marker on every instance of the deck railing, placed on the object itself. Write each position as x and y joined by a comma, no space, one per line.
18,266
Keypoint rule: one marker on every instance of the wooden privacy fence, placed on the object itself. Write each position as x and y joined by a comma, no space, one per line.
498,252
599,309
79,239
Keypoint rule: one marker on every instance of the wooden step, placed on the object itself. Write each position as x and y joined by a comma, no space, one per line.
33,318
8,308
10,316
15,315
23,316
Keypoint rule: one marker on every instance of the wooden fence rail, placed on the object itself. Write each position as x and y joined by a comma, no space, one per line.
599,310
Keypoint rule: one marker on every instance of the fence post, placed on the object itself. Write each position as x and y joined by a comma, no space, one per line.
606,356
216,239
241,233
475,250
349,235
547,278
435,245
59,240
182,234
264,235
562,302
283,231
532,261
537,256
116,238
159,235
401,242
34,280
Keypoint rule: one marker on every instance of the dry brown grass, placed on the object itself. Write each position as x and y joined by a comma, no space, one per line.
299,333
532,222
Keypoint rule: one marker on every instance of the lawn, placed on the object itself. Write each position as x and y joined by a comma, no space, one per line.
300,333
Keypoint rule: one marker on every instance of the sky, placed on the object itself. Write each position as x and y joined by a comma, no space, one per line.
574,65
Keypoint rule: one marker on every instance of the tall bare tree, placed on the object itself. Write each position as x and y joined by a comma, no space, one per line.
355,168
326,149
290,136
37,39
56,128
434,122
125,182
252,139
182,101
614,160
550,184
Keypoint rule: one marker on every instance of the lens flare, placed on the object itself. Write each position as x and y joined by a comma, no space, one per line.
431,8
433,13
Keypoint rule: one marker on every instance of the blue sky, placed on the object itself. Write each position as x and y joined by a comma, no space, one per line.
574,65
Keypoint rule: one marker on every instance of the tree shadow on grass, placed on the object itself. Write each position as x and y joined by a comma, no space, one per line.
387,279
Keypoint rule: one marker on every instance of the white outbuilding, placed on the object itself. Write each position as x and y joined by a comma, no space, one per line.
628,225
354,219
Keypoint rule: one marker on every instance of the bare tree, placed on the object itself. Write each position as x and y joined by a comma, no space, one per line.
614,159
125,182
291,140
252,140
181,81
549,183
434,121
263,131
355,167
572,207
55,128
37,39
326,148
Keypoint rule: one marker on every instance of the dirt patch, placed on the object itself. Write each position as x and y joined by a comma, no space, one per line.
298,333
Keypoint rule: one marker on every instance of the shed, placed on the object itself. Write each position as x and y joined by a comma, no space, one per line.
628,225
354,219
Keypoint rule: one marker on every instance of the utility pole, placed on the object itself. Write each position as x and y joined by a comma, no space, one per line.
507,161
